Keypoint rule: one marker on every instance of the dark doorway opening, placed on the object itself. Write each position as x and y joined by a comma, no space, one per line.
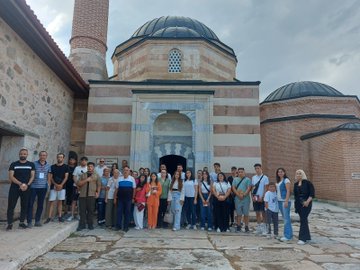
171,162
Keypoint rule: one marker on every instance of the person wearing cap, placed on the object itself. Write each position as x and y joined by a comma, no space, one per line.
21,175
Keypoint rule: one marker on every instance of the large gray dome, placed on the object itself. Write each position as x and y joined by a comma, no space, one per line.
302,89
182,23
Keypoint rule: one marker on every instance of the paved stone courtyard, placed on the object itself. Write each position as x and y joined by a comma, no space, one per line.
335,245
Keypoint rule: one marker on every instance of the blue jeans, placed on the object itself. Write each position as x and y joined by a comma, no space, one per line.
190,209
101,209
123,208
285,212
206,212
176,208
40,193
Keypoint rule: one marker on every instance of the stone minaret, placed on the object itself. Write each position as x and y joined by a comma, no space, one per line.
88,39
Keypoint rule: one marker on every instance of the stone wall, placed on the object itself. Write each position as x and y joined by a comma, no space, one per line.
330,160
225,125
149,60
35,105
280,141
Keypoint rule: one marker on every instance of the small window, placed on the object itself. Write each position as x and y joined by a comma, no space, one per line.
174,61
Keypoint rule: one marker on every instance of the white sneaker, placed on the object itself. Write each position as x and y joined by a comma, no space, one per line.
284,239
174,229
227,230
202,228
137,228
269,236
300,242
194,227
218,230
258,229
70,218
188,226
209,229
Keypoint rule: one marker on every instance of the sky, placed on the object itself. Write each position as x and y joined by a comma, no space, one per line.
276,42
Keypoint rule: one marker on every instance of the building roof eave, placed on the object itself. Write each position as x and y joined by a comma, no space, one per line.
18,15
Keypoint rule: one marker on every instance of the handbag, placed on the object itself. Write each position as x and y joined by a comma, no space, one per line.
255,197
140,207
168,217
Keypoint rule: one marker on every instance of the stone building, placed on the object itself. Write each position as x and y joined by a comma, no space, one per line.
173,97
38,90
313,126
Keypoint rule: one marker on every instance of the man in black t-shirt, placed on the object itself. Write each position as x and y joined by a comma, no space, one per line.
21,175
58,176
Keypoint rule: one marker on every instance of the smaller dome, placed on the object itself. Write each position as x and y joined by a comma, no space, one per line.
302,89
350,126
176,32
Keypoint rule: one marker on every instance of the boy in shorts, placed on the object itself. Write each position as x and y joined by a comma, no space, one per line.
241,187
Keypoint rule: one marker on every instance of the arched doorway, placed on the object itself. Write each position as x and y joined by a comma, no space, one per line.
172,141
171,162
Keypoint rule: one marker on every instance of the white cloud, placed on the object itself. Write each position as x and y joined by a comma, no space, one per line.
277,42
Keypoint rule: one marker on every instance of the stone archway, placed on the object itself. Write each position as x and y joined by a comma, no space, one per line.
172,135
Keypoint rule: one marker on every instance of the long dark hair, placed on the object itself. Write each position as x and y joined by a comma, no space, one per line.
141,184
180,181
223,174
208,177
157,180
191,175
277,176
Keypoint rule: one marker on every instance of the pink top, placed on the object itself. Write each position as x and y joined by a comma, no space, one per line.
140,195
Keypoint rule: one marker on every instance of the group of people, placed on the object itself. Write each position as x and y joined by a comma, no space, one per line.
124,196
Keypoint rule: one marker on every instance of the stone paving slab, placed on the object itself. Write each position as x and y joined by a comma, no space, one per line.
20,246
164,243
354,242
266,255
81,244
101,234
129,258
58,261
337,258
289,265
345,266
166,233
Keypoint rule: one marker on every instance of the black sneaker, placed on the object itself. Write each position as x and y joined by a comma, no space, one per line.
80,228
9,227
90,227
47,220
61,219
247,229
126,229
22,225
29,225
38,224
238,228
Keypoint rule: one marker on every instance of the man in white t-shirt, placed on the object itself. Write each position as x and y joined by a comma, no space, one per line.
260,184
78,171
100,167
214,174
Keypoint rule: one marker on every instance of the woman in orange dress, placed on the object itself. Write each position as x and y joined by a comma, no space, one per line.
153,192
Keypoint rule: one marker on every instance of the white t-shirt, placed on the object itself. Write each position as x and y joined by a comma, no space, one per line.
112,185
278,189
263,183
100,170
176,186
221,187
213,177
189,188
203,189
78,172
271,199
168,175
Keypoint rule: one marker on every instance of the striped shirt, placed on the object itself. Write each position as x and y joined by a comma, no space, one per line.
41,175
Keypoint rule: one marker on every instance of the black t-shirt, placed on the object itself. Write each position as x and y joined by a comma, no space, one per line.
70,181
58,173
22,171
